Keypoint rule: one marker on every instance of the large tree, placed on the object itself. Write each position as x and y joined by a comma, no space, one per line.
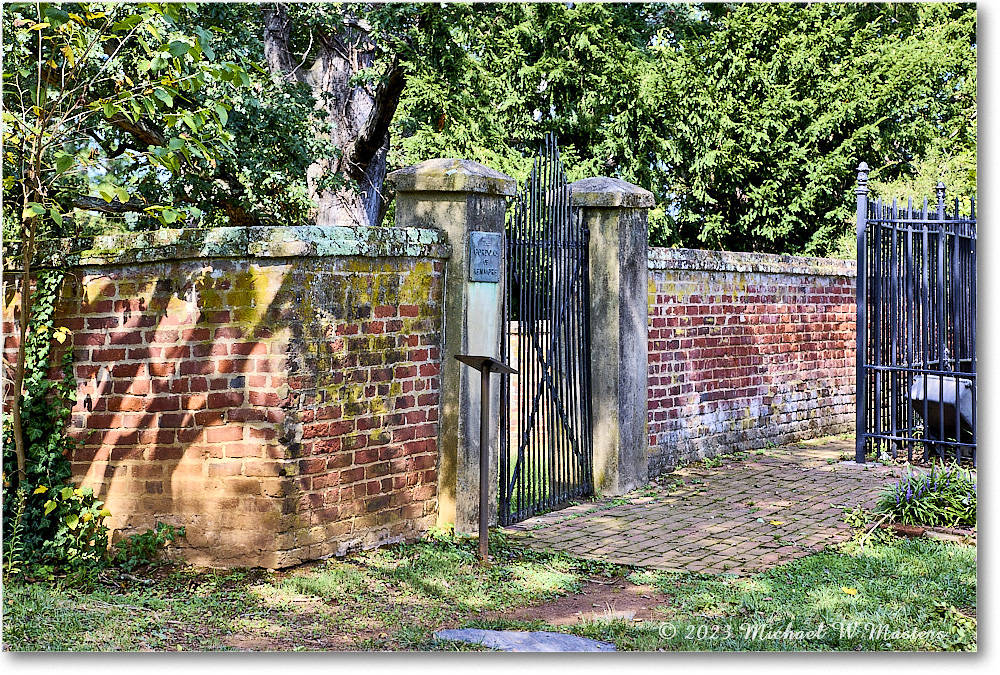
766,115
103,107
356,61
747,121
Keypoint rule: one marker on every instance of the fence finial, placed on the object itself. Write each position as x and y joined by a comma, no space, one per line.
940,194
862,188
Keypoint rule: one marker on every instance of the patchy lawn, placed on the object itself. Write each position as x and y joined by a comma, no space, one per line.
907,595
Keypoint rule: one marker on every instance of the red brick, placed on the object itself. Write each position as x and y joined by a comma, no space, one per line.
157,436
240,450
212,349
229,399
224,433
227,332
200,367
248,348
106,355
195,334
245,415
212,418
124,338
220,469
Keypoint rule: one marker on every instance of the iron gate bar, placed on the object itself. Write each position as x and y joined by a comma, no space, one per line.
546,445
547,368
916,326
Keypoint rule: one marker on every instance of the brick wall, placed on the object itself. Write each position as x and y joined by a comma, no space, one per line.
273,390
746,349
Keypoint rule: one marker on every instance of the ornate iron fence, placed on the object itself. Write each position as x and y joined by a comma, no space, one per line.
916,349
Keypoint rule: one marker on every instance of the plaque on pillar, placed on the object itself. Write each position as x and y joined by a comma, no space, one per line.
485,256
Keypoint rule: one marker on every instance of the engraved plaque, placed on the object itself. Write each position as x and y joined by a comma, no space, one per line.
485,256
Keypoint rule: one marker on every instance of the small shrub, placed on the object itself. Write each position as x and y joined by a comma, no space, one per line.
81,537
145,548
944,497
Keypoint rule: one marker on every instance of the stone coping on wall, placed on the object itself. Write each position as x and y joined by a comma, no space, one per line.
760,263
237,242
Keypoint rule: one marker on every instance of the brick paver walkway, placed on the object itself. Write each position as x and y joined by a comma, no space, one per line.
742,517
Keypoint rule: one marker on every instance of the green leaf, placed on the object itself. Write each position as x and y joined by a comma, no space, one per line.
32,209
127,23
64,162
162,94
220,110
178,48
169,215
56,216
50,506
72,520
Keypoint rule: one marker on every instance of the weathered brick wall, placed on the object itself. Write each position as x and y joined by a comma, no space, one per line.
746,349
273,390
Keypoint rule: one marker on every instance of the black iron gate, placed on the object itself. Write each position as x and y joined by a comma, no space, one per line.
545,446
916,374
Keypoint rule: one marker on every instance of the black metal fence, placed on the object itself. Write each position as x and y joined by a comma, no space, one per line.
545,446
916,350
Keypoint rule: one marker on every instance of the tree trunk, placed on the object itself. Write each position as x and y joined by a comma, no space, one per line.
17,428
358,116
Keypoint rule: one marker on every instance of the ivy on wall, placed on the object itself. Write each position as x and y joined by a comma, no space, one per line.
52,524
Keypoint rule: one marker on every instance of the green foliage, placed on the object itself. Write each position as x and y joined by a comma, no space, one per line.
55,524
80,537
747,121
13,547
866,528
906,587
108,106
146,547
944,497
767,115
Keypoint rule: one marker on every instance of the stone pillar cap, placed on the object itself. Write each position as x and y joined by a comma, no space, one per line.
604,192
452,175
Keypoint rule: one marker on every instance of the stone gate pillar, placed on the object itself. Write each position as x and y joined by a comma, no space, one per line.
615,212
468,202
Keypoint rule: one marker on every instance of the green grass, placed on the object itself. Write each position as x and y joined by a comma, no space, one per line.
394,598
904,587
388,599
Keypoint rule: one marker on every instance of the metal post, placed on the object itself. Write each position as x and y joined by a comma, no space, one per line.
860,411
485,365
484,465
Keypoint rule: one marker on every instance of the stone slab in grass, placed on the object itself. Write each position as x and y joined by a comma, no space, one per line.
524,641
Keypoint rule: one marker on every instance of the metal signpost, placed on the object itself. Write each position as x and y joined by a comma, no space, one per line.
485,365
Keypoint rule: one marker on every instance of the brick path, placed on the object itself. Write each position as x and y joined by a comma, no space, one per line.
742,517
